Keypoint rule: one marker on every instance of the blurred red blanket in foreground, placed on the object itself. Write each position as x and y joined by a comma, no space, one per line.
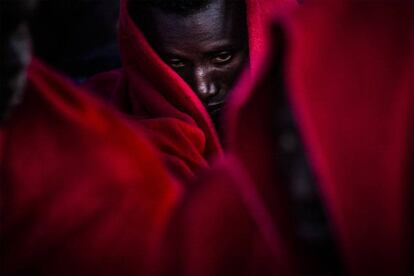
81,191
347,69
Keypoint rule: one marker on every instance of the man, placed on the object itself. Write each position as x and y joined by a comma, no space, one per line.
82,193
205,42
153,93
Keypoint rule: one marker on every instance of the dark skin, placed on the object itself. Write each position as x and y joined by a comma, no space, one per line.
207,48
14,52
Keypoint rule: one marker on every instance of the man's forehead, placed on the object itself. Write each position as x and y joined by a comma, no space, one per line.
216,20
181,7
211,14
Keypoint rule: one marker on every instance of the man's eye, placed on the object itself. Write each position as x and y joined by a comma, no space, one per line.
176,63
222,58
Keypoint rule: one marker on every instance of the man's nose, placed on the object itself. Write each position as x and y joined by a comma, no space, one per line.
204,84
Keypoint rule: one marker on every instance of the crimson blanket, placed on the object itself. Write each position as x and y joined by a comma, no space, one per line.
82,192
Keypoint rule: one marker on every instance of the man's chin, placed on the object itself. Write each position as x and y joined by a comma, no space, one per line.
216,115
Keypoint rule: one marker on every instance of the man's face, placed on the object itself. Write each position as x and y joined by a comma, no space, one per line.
208,49
14,54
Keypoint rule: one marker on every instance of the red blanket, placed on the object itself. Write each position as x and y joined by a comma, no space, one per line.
348,71
352,88
82,193
153,94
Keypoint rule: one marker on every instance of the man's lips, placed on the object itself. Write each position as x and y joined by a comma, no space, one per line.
215,106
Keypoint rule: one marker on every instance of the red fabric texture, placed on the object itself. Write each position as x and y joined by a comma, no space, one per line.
347,68
352,88
157,97
82,192
225,227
